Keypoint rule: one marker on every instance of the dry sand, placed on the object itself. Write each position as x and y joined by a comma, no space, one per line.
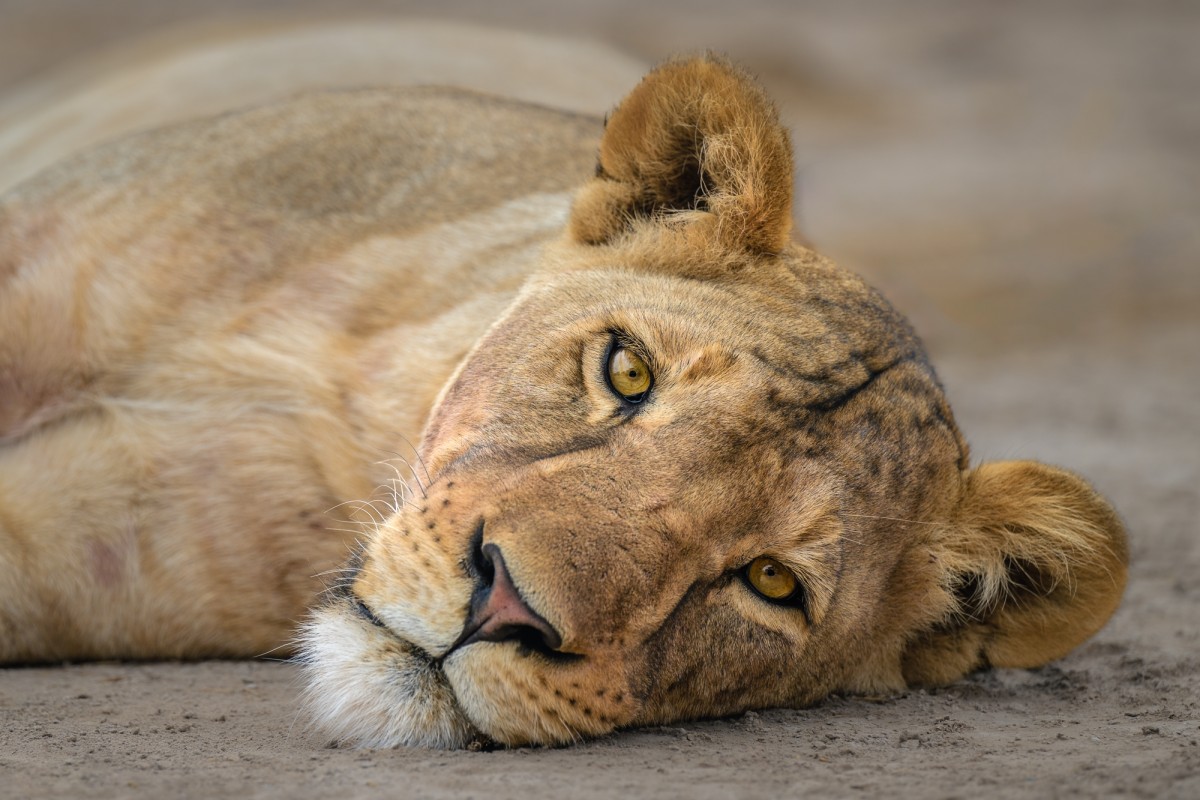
1024,181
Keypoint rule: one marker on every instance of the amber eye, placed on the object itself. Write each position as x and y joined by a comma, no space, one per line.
628,374
771,579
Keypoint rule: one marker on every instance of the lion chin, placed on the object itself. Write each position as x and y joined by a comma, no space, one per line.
369,688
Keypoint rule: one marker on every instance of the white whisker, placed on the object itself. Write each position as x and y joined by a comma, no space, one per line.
893,519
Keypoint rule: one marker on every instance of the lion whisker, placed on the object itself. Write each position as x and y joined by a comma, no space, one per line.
398,481
894,519
348,530
416,478
417,453
365,507
334,571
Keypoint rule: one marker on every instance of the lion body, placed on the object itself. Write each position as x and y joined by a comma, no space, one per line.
203,69
215,339
229,364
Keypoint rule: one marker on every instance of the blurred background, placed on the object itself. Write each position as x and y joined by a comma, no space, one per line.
1021,178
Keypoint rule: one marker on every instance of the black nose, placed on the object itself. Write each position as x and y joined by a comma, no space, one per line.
499,613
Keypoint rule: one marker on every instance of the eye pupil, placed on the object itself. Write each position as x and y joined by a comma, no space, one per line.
628,374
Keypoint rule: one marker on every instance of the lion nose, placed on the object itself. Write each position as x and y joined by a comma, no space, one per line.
499,613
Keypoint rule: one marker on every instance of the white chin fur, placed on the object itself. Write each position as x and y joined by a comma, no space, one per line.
367,688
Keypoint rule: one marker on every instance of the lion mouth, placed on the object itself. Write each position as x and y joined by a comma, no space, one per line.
417,669
372,686
364,611
483,625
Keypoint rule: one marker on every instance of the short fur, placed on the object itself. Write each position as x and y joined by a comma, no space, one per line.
215,338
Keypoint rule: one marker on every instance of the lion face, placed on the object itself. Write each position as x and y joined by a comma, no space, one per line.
622,523
693,470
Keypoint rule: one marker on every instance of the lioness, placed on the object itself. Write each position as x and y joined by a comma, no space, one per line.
669,462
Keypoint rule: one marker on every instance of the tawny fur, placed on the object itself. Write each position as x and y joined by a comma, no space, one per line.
215,338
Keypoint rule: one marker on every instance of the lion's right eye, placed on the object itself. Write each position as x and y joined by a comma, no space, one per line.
771,579
628,374
775,583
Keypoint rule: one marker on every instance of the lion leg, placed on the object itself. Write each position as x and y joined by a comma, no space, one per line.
68,510
140,530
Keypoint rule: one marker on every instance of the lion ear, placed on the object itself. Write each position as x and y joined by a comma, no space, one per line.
1035,565
699,145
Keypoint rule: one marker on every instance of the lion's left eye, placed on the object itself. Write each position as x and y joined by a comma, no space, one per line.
628,374
771,579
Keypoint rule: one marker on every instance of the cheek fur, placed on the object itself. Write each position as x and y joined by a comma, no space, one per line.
517,700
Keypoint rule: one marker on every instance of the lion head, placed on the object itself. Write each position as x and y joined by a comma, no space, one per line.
696,469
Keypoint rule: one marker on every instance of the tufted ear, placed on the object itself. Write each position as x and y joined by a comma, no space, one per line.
698,144
1036,564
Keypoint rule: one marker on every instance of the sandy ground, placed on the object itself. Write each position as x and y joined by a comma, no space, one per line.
1023,179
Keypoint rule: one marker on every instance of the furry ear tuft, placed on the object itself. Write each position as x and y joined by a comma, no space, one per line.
696,143
1035,565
